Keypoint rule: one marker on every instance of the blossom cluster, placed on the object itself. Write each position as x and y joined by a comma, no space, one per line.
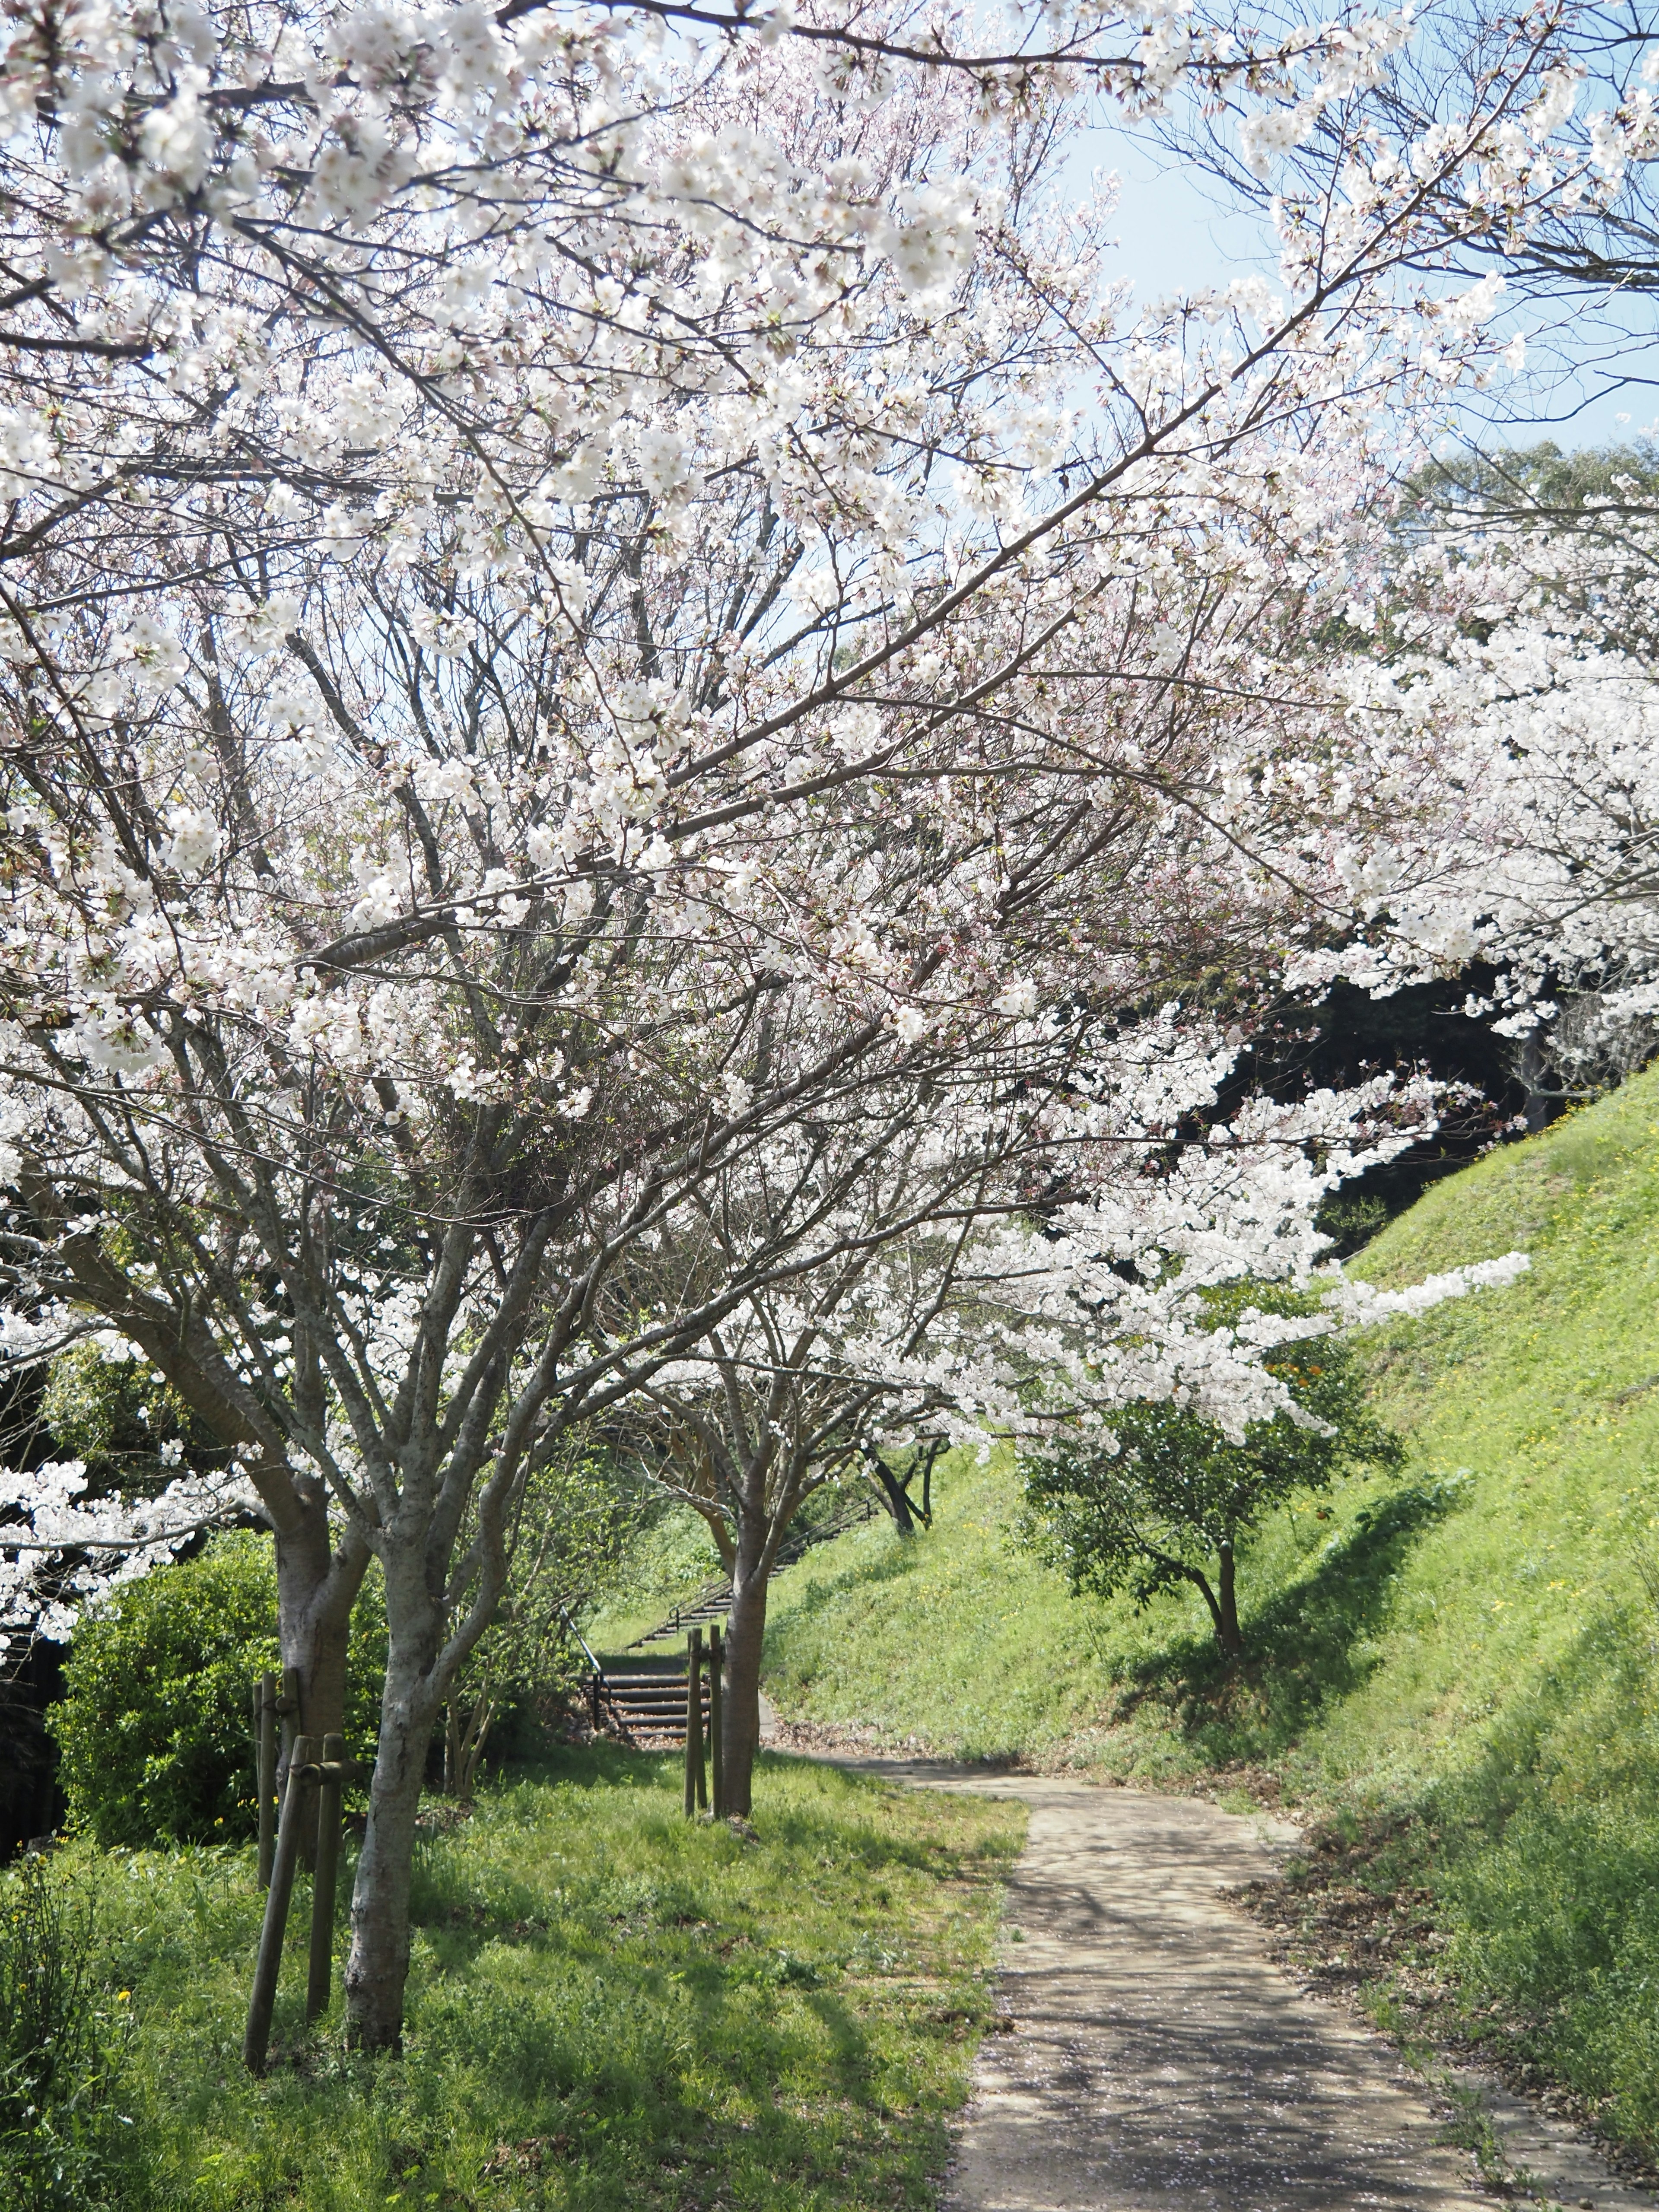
594,633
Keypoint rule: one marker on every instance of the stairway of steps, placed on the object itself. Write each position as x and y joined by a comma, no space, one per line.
644,1704
642,1699
712,1602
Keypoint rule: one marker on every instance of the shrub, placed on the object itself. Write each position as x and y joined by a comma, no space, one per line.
154,1730
1171,1498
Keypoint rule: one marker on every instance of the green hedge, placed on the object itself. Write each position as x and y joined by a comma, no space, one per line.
154,1731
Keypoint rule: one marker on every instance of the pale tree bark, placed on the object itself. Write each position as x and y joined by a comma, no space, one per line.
377,1967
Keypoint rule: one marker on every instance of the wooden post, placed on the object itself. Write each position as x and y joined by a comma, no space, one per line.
696,1789
288,1706
321,1971
696,1715
264,1730
716,1747
257,2041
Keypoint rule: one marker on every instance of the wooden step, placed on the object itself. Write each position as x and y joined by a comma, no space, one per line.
650,1704
695,1615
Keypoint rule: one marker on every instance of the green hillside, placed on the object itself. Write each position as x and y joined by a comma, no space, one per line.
1461,1657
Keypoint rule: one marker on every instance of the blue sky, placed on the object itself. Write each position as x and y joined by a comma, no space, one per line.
1174,237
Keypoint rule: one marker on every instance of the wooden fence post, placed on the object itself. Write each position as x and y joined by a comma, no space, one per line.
264,1763
257,2041
288,1706
696,1789
716,1744
321,1970
696,1711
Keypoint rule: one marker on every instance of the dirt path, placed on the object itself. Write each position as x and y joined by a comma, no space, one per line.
1158,2058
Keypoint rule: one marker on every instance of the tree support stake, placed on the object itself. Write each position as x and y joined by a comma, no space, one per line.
696,1788
716,1741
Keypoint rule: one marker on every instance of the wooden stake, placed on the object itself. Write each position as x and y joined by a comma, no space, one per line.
321,1971
696,1792
257,2042
716,1745
696,1715
265,1731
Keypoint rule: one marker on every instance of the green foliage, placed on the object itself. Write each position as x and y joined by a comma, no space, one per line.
1543,481
154,1730
1464,1661
669,1555
1350,1222
571,1531
59,2046
1176,1500
610,2008
127,1422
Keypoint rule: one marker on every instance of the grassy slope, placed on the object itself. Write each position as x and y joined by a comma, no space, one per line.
670,1562
609,2007
1471,1647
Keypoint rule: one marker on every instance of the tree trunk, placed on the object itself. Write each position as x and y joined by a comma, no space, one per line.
316,1588
1226,1609
740,1713
466,1728
898,1502
377,1967
1529,1066
1220,1597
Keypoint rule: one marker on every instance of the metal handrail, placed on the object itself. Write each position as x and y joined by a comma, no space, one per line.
861,1507
587,1653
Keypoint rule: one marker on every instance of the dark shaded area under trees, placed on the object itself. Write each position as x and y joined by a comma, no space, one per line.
1350,1036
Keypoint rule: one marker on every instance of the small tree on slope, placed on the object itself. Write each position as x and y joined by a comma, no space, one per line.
1176,1498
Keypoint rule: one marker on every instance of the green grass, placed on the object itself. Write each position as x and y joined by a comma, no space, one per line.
1460,1665
957,1638
608,2007
667,1562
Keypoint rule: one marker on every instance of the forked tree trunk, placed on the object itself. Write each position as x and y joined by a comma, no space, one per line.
1222,1598
897,1497
466,1730
316,1588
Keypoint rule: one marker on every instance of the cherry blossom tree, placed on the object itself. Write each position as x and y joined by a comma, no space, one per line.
807,1371
1058,1317
1041,1273
588,625
1167,1354
1508,682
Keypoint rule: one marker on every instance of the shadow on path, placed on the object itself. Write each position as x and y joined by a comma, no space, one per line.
1159,2061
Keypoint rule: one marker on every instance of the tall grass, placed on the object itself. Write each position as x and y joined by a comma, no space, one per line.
609,2007
62,2043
